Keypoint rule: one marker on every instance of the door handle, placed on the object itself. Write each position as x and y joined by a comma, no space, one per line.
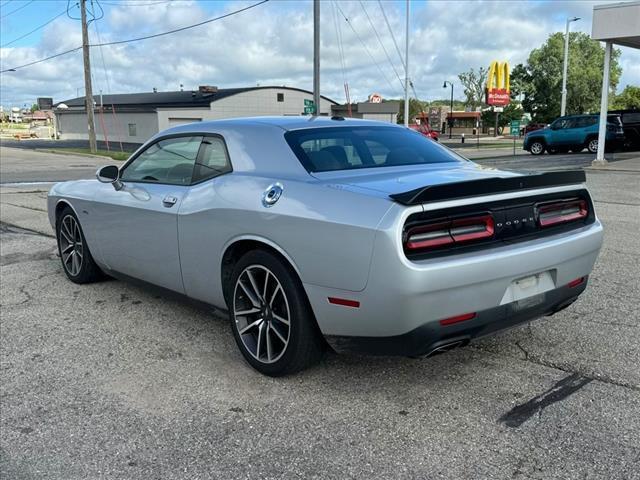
169,201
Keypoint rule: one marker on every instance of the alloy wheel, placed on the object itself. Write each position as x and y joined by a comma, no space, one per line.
71,245
536,148
593,146
261,314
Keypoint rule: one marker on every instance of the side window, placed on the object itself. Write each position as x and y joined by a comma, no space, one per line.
212,161
378,151
169,161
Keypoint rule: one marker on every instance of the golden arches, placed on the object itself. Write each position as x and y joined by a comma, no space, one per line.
499,76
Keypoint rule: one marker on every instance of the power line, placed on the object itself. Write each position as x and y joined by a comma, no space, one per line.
365,47
35,29
19,8
118,42
135,39
136,4
393,37
381,43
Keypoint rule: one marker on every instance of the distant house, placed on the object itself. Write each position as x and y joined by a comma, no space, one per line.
135,117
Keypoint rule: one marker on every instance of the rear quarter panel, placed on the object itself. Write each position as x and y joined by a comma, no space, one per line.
327,233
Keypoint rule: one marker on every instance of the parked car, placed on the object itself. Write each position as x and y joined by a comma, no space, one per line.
631,126
531,127
425,130
363,235
574,133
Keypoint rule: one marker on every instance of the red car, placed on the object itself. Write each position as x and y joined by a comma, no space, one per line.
425,129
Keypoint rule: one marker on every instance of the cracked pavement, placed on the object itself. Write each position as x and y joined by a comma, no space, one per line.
113,380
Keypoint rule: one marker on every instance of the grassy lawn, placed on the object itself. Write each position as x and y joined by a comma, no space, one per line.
104,153
14,126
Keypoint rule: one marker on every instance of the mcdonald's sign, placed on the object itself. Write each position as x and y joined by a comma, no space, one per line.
498,90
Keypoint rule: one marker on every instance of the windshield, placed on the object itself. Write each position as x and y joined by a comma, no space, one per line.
348,148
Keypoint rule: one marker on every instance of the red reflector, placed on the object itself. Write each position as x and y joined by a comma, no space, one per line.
344,302
458,318
576,282
561,212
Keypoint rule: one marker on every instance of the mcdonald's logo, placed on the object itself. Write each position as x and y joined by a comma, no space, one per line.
498,87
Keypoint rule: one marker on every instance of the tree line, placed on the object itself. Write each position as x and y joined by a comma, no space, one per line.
536,85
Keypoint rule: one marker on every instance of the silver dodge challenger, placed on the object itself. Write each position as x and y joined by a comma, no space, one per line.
313,232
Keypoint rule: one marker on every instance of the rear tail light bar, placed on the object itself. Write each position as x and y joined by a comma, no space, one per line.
449,232
562,211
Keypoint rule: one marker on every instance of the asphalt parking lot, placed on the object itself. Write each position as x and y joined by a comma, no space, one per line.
113,380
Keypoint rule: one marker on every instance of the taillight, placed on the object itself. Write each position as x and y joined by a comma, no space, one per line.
563,211
441,233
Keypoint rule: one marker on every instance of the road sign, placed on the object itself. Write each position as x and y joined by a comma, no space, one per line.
311,109
308,103
515,128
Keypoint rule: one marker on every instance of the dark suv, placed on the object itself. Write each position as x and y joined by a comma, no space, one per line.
574,132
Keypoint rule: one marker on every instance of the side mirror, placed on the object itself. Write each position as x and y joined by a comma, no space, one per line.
110,174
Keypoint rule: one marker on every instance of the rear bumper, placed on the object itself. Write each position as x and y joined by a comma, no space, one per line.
432,337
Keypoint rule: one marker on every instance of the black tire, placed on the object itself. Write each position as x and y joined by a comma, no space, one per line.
537,147
552,151
305,345
87,271
592,145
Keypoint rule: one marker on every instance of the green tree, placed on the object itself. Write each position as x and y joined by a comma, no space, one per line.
474,84
415,107
540,80
629,98
34,107
513,111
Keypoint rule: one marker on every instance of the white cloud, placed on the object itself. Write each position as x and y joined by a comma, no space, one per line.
272,44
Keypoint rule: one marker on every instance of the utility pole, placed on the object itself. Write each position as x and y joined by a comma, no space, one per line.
563,105
316,56
93,146
406,71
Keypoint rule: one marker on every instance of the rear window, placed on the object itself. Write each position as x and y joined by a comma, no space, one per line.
348,148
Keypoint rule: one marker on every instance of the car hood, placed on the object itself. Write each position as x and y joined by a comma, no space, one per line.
386,181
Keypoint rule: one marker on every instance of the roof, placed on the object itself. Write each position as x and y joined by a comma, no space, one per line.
284,122
180,99
368,107
464,114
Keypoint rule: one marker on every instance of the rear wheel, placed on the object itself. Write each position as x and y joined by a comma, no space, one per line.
76,258
592,145
537,147
271,318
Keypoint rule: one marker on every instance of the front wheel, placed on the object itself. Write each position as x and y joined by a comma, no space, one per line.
271,318
536,148
77,262
592,145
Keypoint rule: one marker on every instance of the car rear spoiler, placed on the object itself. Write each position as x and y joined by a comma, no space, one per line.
488,186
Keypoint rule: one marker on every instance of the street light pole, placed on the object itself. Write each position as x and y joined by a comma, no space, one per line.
563,105
316,56
406,71
444,85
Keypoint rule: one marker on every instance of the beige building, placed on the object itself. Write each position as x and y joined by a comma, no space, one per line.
135,117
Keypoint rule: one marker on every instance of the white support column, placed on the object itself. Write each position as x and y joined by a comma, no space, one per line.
604,107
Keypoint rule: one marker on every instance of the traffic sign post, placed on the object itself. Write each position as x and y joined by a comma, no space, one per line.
309,106
515,128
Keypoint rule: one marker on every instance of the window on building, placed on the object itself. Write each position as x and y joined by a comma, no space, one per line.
280,97
133,130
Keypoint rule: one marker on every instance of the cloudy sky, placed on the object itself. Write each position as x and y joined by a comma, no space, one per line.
272,44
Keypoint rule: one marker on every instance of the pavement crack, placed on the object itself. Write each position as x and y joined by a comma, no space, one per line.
15,229
531,358
25,207
562,389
